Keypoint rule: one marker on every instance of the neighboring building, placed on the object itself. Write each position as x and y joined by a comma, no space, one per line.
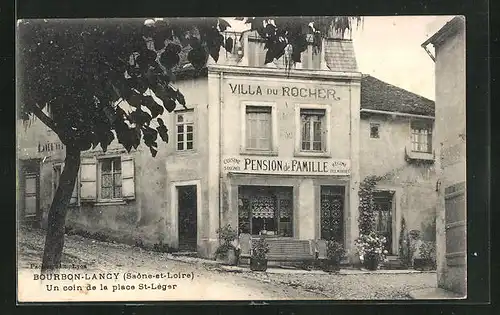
264,148
449,141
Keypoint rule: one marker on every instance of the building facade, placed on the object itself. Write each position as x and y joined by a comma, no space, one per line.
449,47
277,150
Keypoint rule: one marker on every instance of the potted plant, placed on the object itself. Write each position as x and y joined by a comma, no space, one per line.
226,252
427,257
258,258
371,249
334,253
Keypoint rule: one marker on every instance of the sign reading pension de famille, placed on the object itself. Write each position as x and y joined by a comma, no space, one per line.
283,166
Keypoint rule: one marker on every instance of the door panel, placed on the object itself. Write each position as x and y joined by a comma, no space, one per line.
187,217
332,213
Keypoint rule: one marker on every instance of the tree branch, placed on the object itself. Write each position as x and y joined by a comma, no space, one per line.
37,111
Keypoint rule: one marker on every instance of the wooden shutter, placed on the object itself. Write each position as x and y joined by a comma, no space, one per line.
128,177
88,179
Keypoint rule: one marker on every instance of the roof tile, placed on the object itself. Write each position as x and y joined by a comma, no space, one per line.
379,95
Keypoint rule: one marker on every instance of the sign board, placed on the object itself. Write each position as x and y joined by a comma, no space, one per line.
285,91
285,166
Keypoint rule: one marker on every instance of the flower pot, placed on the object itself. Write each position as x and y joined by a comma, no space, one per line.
258,264
228,258
371,262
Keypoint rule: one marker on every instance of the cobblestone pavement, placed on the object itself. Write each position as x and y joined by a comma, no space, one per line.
216,283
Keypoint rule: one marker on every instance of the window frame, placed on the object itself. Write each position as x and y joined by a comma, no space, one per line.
274,129
99,179
425,125
326,130
374,124
191,112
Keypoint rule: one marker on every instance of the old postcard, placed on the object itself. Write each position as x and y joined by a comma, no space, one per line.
252,158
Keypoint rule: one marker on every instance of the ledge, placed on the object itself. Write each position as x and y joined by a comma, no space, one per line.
259,153
293,73
419,156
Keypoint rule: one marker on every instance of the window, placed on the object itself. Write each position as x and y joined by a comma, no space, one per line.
374,131
421,137
265,210
312,125
258,128
111,178
185,130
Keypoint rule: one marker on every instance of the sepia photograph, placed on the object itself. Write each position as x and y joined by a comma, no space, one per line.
241,158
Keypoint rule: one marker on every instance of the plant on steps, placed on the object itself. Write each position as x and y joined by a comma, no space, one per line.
334,252
226,252
258,259
404,245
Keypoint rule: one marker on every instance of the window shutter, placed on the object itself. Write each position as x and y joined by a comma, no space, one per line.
128,177
88,179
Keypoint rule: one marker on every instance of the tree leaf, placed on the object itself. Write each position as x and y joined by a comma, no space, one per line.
229,44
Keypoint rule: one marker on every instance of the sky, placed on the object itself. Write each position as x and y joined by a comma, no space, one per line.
389,48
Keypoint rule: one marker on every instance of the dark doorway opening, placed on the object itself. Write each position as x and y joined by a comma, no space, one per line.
187,207
383,216
332,213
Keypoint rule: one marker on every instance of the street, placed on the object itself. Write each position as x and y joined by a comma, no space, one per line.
212,282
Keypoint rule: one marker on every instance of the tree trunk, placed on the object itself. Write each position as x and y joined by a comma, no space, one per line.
54,241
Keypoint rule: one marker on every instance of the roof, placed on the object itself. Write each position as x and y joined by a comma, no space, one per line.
340,56
450,28
379,95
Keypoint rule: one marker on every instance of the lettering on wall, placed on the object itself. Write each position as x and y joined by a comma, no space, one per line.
299,166
284,91
50,147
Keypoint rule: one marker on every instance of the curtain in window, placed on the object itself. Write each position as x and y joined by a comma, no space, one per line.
263,207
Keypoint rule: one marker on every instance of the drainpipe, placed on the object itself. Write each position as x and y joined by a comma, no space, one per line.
221,102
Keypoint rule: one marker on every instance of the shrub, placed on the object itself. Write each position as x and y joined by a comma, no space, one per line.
371,245
260,249
226,236
404,245
334,250
428,251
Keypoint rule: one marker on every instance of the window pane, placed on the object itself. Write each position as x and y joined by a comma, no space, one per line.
118,192
106,165
190,136
106,192
180,128
117,179
30,185
317,131
117,164
188,117
189,128
180,137
189,145
30,205
317,145
180,146
107,180
180,118
306,145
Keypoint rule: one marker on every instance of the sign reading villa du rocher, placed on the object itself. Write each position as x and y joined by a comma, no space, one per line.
294,166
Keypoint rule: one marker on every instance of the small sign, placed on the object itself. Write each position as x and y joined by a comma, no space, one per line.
295,166
285,91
